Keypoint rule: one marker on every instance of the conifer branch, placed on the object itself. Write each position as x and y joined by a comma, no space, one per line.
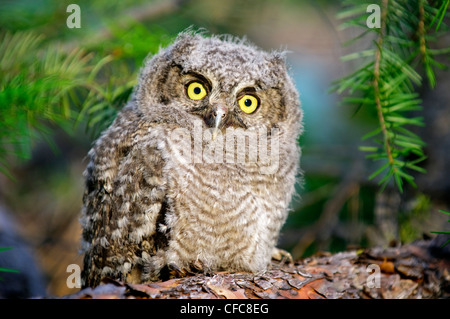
44,85
376,73
421,30
387,79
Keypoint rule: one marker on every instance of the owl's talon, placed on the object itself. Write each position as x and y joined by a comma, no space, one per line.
176,271
198,265
282,255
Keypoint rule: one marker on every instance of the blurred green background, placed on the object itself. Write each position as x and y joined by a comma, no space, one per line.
41,186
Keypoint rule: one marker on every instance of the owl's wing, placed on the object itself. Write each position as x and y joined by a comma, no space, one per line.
124,199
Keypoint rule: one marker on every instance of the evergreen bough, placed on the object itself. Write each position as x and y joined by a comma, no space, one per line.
41,86
388,77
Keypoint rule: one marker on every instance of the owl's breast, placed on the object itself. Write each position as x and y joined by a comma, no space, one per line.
225,215
224,209
218,218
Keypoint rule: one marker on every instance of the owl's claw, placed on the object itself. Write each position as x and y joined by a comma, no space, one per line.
198,265
195,267
282,255
176,271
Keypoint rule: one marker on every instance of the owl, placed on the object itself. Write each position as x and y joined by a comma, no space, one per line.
197,171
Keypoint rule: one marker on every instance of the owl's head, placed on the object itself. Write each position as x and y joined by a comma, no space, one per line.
224,81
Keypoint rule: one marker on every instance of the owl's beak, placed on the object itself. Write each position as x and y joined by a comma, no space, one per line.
219,113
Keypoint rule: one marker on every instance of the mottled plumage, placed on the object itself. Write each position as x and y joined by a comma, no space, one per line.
180,182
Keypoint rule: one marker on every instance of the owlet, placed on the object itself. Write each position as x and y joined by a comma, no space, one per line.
198,169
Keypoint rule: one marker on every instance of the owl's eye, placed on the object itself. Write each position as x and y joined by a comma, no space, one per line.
248,103
196,91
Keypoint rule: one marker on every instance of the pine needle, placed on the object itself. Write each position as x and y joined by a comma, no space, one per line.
387,80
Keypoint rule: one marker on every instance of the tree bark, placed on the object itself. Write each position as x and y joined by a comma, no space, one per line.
418,270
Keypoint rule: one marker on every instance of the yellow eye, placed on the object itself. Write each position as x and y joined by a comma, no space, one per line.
196,91
248,103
